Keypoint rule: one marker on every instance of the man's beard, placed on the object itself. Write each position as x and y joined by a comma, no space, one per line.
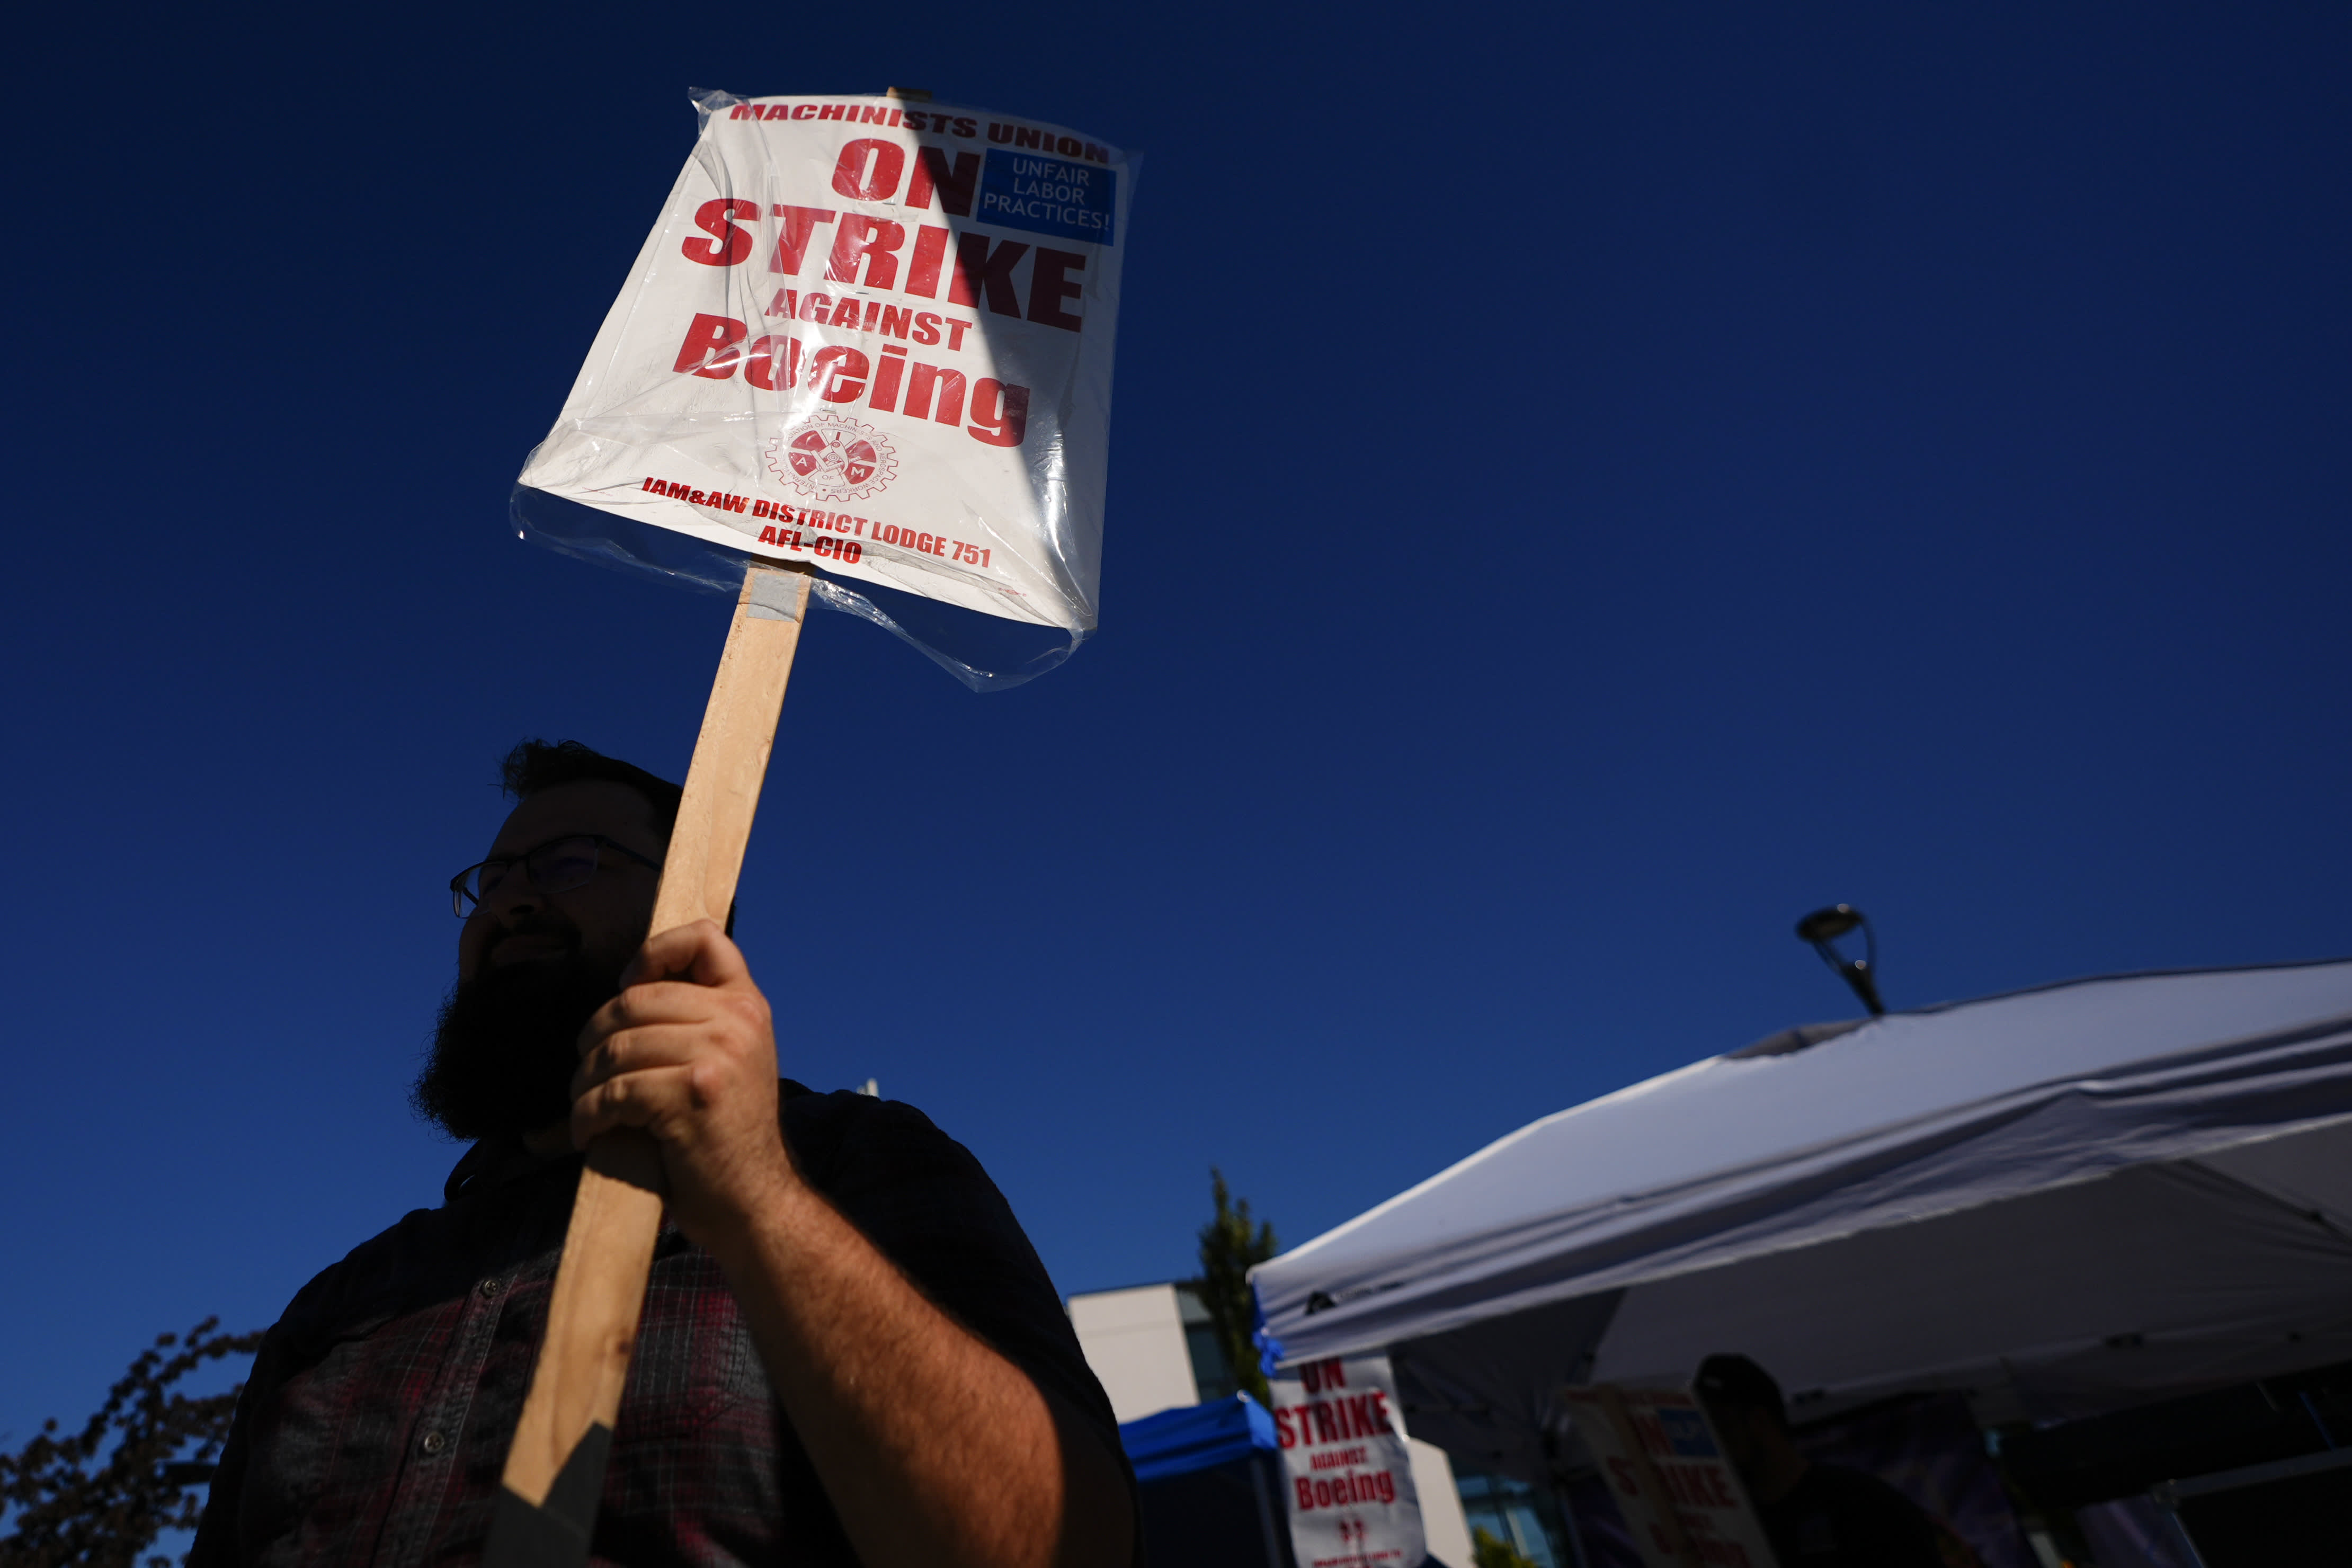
508,1043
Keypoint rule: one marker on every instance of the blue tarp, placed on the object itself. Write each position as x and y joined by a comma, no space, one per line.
1197,1437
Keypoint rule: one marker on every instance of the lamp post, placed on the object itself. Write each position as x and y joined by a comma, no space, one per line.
1823,927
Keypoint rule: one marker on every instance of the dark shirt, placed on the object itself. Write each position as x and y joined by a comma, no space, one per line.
1838,1517
374,1426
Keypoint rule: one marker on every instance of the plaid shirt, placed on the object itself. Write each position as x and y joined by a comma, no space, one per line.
374,1426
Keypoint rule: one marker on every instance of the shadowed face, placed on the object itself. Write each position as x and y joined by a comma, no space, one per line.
1744,1433
520,922
533,963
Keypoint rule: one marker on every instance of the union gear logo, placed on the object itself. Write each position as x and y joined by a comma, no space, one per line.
834,457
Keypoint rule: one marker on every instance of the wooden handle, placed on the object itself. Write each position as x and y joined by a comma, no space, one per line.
600,1287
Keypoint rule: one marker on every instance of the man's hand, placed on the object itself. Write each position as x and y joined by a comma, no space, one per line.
688,1053
936,1451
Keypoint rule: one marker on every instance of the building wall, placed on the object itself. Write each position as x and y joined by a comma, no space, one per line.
1134,1340
1444,1529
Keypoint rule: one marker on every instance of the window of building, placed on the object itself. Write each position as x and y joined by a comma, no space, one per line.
1526,1518
1213,1375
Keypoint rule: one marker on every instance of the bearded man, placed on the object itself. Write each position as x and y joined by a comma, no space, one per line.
849,1353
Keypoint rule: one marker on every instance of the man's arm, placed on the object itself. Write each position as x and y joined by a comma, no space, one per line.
934,1449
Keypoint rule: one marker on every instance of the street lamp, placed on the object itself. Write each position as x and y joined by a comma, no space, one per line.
1823,927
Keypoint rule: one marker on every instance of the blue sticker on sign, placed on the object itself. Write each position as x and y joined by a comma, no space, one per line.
1047,195
1686,1434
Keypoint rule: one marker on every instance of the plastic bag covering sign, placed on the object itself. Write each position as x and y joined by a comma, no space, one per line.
874,335
1683,1501
1350,1474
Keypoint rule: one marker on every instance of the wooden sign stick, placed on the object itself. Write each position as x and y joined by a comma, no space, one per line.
555,1470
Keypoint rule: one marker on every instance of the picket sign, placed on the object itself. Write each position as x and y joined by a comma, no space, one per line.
1348,1470
873,334
1683,1501
555,1470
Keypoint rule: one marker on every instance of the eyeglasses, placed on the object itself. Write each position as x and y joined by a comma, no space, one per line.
557,866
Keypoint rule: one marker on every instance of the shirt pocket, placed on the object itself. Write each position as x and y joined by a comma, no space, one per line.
694,1357
329,1428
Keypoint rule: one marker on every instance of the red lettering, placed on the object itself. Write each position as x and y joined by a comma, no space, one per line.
1029,136
1000,413
886,379
792,238
895,320
839,373
769,355
923,265
1305,1494
918,394
784,304
709,346
954,186
817,308
1048,287
926,329
868,169
1282,1432
728,244
874,238
977,270
831,112
804,112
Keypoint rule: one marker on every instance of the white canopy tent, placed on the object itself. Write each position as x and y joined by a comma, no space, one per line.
2063,1201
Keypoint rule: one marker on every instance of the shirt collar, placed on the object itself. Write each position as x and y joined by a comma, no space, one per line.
493,1162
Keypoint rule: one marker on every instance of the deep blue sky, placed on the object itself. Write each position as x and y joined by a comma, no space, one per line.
1587,484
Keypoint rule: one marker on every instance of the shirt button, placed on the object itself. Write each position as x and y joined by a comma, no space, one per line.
434,1442
490,1289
